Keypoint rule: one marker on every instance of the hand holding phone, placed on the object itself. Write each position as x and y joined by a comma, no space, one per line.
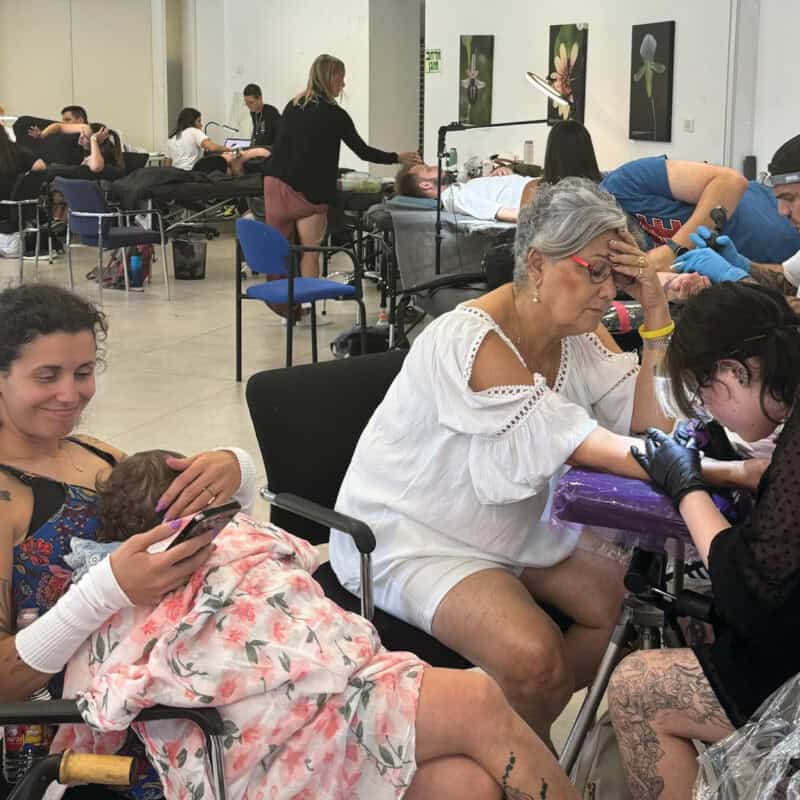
209,519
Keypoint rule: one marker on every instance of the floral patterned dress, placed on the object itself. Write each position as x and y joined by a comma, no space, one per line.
313,706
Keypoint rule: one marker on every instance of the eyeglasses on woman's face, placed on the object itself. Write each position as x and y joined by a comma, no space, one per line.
599,268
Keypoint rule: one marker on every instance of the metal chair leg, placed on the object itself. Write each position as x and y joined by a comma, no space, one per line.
313,332
164,266
362,313
21,245
69,260
125,269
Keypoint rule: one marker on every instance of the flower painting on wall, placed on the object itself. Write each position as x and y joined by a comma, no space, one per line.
475,80
567,70
652,55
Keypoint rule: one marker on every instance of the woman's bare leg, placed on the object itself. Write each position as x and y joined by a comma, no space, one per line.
659,701
492,620
465,713
310,231
452,778
587,587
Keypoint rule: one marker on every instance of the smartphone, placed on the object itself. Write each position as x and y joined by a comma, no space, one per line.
210,519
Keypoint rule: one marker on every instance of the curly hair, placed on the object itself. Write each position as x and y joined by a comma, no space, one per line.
33,310
127,497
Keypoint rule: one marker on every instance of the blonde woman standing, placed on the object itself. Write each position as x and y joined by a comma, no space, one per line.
300,178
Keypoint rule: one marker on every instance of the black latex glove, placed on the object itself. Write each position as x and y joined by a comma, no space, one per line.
675,469
710,437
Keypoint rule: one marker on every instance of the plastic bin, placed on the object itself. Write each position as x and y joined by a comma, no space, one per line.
189,248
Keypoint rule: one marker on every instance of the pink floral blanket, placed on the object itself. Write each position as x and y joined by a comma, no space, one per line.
313,706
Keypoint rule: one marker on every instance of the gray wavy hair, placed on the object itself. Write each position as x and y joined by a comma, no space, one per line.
563,218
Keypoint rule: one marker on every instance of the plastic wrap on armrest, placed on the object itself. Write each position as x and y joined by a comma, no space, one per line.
361,532
600,499
759,760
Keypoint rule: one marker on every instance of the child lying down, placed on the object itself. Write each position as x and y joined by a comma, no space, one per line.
313,705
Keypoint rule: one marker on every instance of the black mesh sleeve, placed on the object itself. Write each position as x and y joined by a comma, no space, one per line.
756,567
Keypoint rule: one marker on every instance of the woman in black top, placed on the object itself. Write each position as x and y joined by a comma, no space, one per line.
736,352
15,161
301,176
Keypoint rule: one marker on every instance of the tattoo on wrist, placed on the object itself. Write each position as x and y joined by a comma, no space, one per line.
4,495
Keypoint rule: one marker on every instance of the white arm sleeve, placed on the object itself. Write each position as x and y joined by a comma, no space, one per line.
50,641
246,493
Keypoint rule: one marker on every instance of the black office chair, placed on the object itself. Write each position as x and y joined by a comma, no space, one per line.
307,454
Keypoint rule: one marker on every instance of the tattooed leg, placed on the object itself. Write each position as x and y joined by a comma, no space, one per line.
466,712
659,701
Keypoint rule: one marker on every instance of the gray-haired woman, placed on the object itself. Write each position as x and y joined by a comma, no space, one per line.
456,468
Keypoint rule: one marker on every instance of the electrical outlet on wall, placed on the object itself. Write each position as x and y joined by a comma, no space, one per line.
688,126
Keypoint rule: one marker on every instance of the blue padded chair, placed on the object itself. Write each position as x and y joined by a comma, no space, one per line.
91,217
267,251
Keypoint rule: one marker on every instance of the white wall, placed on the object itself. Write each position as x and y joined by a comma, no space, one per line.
273,43
777,114
394,32
521,33
87,52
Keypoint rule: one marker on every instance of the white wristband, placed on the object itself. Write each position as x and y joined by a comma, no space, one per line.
50,641
245,495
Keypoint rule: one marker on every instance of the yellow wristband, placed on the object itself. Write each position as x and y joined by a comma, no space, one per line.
658,333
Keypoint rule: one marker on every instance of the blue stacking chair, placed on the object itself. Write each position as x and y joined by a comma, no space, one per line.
98,225
267,251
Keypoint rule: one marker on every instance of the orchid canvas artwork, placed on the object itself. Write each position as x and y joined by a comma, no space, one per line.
567,70
652,56
475,80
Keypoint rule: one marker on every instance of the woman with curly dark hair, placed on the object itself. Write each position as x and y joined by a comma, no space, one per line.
49,352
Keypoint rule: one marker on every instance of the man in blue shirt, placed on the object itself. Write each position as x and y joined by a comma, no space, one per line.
671,199
779,267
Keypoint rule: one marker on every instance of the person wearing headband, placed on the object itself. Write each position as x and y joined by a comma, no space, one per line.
783,175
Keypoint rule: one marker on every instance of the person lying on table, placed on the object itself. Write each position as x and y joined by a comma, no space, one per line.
498,196
455,470
735,356
101,145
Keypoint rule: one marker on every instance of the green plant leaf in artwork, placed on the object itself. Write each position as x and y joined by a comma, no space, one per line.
649,69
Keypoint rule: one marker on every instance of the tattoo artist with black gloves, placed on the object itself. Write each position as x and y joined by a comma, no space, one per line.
728,264
736,352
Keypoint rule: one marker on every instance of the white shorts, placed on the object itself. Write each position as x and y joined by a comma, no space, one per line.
411,589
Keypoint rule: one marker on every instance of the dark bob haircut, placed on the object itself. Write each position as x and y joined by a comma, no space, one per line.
736,321
38,309
570,153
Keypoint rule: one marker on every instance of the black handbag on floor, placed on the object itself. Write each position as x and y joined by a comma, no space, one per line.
348,344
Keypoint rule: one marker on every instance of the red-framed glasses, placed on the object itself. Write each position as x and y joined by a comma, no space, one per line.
599,268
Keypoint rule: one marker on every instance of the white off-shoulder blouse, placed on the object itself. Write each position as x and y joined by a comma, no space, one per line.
442,470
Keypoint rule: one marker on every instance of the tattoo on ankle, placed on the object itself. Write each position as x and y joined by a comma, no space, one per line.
513,793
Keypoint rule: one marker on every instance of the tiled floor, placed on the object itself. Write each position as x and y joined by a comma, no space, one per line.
169,380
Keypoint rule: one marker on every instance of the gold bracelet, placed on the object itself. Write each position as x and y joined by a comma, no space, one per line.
658,333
